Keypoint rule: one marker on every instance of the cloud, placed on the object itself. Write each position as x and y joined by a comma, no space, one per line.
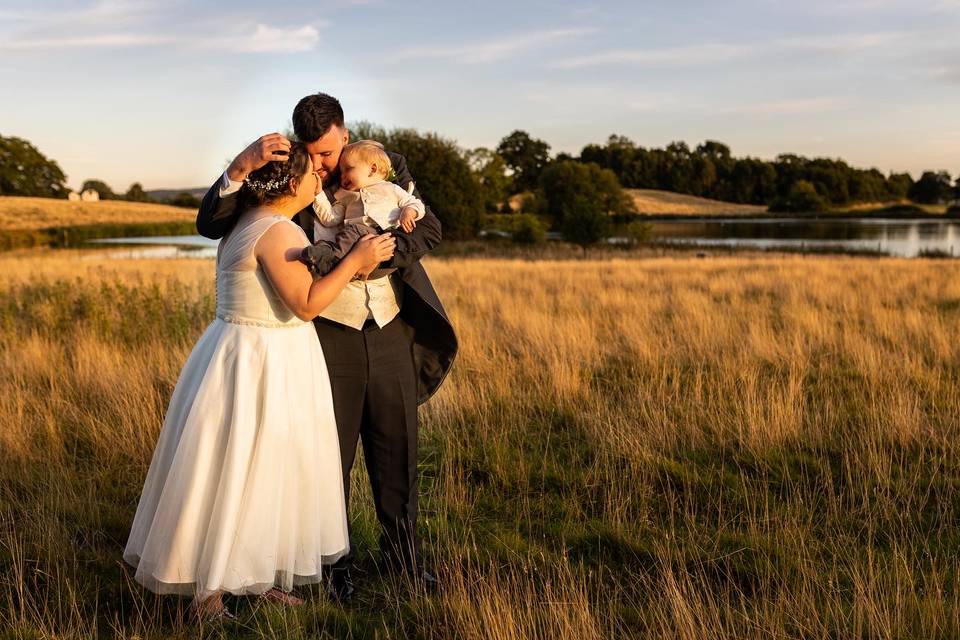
666,57
276,39
797,106
833,7
267,39
106,40
948,74
115,13
258,38
143,23
105,23
707,54
493,50
842,42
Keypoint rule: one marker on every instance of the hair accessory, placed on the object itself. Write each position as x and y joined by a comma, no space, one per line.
270,185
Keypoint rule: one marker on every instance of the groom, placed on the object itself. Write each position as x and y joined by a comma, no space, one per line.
387,342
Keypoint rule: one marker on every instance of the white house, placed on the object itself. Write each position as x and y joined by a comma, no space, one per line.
90,195
73,196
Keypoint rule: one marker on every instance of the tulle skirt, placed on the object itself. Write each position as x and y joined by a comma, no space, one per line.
245,491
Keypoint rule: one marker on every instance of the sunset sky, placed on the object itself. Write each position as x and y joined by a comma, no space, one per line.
164,93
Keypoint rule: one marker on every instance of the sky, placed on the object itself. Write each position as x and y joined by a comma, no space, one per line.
166,92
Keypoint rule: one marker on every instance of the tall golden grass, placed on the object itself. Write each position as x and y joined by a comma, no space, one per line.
21,213
668,448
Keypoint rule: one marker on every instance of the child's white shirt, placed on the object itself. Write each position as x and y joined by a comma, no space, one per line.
381,202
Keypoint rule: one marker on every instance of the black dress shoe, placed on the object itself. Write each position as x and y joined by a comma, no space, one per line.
340,586
422,580
429,582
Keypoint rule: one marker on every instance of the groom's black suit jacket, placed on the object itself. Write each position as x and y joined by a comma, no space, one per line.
434,343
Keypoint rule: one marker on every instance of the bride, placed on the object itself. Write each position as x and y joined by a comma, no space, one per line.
244,493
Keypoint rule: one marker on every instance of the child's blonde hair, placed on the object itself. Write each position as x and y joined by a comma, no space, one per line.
369,152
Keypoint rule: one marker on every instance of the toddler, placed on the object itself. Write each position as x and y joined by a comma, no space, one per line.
365,203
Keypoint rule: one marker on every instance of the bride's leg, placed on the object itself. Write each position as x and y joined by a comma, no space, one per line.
209,608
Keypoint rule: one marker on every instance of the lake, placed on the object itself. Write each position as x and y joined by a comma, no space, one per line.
886,236
162,247
894,237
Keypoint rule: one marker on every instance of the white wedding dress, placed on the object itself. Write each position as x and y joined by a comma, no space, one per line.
244,492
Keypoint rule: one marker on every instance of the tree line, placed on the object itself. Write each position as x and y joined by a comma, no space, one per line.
577,196
136,193
788,183
25,171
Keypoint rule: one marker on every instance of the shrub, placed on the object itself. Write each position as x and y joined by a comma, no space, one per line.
802,198
638,232
527,229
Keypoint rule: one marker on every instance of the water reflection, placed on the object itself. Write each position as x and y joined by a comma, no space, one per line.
905,238
162,247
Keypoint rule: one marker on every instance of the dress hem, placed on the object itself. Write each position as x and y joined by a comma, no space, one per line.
283,580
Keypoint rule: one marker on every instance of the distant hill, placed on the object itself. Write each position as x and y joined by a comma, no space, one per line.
162,195
655,202
21,214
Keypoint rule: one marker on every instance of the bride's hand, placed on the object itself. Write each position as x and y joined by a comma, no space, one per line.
371,250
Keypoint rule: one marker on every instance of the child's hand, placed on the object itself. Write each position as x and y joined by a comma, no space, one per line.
408,219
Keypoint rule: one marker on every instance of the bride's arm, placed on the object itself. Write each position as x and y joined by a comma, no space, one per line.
217,213
278,252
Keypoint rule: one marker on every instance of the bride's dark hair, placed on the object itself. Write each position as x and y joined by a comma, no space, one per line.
272,181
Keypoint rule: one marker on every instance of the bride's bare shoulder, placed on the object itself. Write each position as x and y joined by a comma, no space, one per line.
280,238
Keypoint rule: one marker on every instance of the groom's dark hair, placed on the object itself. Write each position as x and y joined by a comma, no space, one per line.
314,115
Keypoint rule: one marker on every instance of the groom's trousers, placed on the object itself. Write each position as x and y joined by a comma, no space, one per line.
374,384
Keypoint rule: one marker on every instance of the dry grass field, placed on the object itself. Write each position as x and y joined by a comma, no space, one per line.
655,202
21,214
743,447
861,208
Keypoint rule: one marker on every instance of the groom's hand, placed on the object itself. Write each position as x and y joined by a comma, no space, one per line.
267,148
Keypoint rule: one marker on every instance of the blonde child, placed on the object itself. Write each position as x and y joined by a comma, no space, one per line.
366,202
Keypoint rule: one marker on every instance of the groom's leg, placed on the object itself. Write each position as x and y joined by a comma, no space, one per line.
389,435
345,354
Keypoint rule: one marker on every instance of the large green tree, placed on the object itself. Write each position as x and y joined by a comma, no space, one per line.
580,198
526,157
933,187
490,170
24,171
136,193
898,185
101,187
